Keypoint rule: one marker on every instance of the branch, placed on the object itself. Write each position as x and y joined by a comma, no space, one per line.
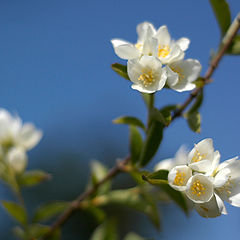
226,42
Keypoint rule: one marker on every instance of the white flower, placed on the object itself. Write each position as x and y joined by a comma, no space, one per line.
180,158
152,42
202,157
14,133
182,73
227,181
199,188
179,176
16,157
147,74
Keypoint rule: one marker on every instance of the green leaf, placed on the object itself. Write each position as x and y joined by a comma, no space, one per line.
106,231
199,82
167,112
135,144
16,211
98,172
156,178
97,213
133,236
152,142
197,104
120,70
157,115
222,13
130,121
194,121
19,232
31,178
49,210
235,46
38,230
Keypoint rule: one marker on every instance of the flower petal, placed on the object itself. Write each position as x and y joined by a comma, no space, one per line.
163,36
145,30
183,43
166,164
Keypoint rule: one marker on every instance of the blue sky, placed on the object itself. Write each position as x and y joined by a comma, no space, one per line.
55,71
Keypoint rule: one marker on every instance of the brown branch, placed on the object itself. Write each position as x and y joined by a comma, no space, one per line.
232,32
120,165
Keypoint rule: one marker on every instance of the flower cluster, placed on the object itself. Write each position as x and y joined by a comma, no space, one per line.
206,182
16,139
155,48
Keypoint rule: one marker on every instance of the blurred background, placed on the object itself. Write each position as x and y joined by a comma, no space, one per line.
55,59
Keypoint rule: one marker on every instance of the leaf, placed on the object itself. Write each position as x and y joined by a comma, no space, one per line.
152,142
158,116
222,13
97,213
31,178
16,211
98,172
133,236
135,144
200,81
167,112
19,232
120,70
38,230
106,231
194,121
49,210
156,178
130,121
197,104
235,46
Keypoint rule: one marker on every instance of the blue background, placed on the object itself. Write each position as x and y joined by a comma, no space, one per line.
55,71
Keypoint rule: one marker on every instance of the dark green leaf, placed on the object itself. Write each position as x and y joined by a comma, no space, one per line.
152,142
194,121
157,115
19,232
130,121
49,210
167,112
222,13
135,144
235,46
156,178
31,178
121,70
16,211
133,236
197,104
38,230
97,213
106,231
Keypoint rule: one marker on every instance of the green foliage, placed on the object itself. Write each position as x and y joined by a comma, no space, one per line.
32,178
222,13
152,142
49,210
106,231
129,121
157,115
235,46
97,213
133,236
194,121
16,211
197,104
120,70
135,144
156,178
167,112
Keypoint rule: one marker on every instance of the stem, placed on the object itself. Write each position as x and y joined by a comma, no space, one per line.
150,107
227,40
120,166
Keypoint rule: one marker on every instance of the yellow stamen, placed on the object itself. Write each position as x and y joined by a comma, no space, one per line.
163,51
198,188
179,71
147,78
198,156
179,179
227,187
139,46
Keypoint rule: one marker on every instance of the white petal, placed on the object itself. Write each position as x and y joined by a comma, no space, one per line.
172,77
163,79
166,164
150,47
178,177
163,36
215,163
221,178
29,136
125,50
181,155
183,43
142,89
192,69
199,188
214,208
201,166
145,30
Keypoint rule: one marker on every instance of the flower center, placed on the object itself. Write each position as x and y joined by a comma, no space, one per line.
179,179
227,187
147,78
198,156
179,71
139,46
198,188
163,51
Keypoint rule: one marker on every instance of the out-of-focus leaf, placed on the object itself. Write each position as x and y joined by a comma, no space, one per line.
157,115
222,13
156,178
120,70
135,144
167,112
133,236
19,232
130,121
194,121
49,210
235,46
199,82
16,211
152,142
98,172
197,104
106,231
32,178
97,213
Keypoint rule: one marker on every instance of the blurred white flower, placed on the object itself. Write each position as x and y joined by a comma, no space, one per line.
182,73
147,74
14,133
